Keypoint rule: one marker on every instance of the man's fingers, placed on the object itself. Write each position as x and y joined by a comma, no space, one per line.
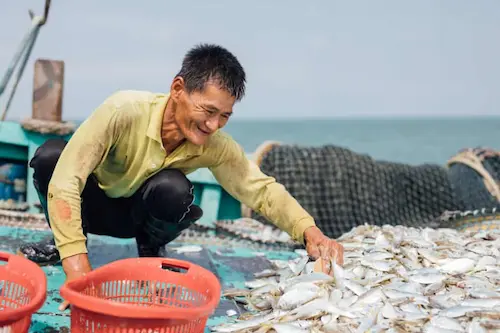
334,253
313,252
64,306
324,258
324,251
340,254
340,257
327,250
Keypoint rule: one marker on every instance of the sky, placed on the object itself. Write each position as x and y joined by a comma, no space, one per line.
315,59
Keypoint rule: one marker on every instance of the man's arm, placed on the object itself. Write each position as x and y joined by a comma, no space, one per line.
82,154
244,180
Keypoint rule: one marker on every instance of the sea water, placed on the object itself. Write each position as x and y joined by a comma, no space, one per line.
414,141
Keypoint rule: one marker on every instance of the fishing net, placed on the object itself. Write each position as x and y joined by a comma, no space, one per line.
342,189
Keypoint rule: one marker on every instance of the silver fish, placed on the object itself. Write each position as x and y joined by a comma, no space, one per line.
394,279
458,266
429,278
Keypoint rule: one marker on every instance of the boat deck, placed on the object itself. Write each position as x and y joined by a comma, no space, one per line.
233,266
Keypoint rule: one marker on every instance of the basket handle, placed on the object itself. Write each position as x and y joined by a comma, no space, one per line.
14,262
175,266
4,256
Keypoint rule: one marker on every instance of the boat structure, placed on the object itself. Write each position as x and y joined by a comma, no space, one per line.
227,240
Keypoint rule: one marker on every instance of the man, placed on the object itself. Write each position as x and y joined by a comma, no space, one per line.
122,173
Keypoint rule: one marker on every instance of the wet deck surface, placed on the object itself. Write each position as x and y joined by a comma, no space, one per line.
232,266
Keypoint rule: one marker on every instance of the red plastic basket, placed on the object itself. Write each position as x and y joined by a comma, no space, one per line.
143,295
23,290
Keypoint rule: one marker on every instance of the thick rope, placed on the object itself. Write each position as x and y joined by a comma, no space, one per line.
47,126
476,221
472,160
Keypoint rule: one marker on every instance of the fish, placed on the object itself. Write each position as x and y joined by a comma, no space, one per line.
296,297
394,279
188,249
231,313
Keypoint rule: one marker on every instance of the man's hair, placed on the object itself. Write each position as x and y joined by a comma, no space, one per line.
209,62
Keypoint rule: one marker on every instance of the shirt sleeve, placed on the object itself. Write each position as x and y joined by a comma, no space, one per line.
243,179
83,152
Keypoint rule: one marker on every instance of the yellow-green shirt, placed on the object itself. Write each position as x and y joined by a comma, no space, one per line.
120,143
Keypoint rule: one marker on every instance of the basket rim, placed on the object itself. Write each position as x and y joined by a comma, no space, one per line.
25,268
70,292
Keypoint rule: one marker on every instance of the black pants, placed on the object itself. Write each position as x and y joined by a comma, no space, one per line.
154,215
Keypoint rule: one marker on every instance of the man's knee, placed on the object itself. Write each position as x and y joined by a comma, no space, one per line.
168,195
44,161
48,153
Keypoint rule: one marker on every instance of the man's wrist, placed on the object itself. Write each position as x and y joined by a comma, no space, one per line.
299,228
310,232
76,265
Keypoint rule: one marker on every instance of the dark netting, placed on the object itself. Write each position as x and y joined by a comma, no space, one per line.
342,189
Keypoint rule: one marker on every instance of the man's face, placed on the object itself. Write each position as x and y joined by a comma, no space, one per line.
200,114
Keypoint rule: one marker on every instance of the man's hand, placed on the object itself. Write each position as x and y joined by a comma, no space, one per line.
75,267
320,246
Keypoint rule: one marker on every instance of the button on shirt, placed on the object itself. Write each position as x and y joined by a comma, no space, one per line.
121,145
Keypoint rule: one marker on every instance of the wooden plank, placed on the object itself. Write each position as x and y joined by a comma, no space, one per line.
48,90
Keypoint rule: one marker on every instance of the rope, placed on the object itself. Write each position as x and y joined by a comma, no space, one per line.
23,54
472,221
475,178
473,160
47,126
19,219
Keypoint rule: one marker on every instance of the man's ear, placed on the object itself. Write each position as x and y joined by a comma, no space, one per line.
177,88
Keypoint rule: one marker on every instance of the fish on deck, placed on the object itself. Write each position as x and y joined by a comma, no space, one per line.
394,279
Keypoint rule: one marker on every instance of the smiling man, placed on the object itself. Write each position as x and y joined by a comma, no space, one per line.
122,174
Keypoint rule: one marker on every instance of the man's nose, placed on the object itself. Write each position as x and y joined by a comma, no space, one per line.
213,124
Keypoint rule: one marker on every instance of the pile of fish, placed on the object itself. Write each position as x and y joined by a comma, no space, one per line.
394,279
256,231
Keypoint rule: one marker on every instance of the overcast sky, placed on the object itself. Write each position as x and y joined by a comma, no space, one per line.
303,59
